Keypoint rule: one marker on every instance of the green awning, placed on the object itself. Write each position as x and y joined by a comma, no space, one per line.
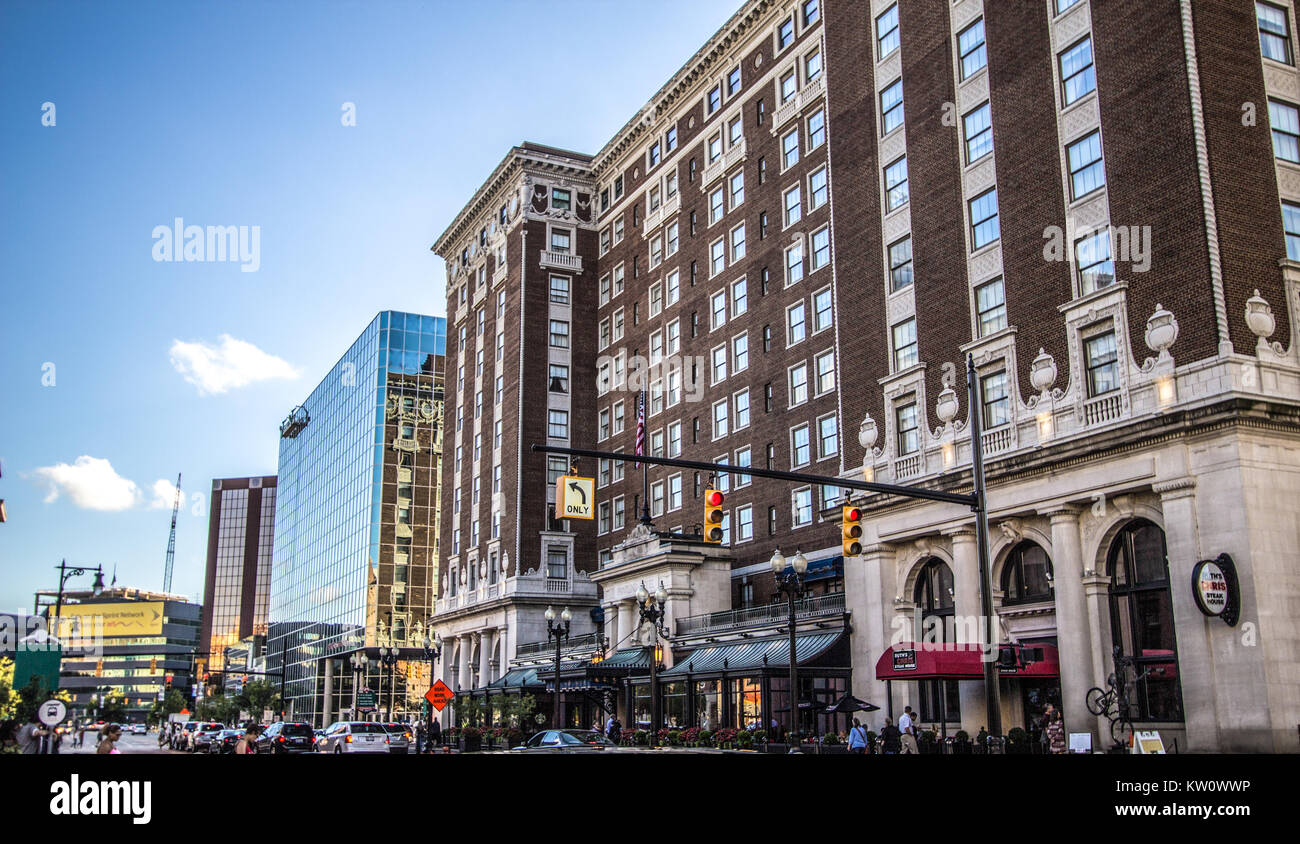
747,656
516,678
627,658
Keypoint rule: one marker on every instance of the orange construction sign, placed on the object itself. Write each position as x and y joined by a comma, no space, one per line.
439,694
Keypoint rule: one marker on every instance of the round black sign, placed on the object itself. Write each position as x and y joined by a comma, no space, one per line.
1215,589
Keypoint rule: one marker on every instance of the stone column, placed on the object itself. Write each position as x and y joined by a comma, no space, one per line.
466,655
1096,591
1195,656
971,625
484,658
1072,633
627,623
329,693
865,600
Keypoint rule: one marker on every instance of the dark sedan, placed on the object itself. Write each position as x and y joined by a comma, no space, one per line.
566,741
287,737
224,741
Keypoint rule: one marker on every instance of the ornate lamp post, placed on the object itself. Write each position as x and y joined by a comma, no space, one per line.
359,661
388,658
432,651
651,609
792,585
66,571
559,631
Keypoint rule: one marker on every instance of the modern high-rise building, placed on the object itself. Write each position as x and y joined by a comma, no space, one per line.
354,564
237,582
806,233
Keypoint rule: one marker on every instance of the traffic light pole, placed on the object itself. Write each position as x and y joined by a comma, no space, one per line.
975,500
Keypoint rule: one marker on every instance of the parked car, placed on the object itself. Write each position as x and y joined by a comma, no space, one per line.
203,735
224,741
181,741
566,741
139,729
354,737
286,737
399,737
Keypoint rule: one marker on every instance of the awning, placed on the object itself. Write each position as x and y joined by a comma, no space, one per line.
516,678
750,655
950,661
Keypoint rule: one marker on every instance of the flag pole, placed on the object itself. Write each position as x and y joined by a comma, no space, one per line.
640,449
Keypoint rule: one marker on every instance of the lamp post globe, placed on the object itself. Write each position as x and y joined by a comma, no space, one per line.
641,594
661,595
550,614
566,616
778,561
800,563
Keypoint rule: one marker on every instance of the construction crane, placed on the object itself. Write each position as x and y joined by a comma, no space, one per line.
171,540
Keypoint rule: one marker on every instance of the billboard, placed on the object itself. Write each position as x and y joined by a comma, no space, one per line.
118,620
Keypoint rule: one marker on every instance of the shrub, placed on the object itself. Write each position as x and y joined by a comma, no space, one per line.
690,736
962,736
832,738
706,738
725,737
760,736
641,737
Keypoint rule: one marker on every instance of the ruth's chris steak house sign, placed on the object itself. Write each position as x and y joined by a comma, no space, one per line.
1214,586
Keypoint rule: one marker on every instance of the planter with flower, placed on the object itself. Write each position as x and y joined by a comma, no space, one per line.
725,737
471,740
744,740
706,738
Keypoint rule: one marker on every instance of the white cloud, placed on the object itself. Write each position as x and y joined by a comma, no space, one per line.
91,483
164,495
231,363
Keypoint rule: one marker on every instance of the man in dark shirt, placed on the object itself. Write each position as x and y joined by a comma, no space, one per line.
891,737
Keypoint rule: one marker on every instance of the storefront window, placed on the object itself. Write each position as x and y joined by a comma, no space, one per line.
708,704
1142,622
674,697
640,707
747,702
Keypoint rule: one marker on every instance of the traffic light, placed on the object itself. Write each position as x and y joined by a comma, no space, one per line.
713,515
99,668
851,531
168,680
153,665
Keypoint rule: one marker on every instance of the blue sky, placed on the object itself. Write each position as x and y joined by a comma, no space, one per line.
116,370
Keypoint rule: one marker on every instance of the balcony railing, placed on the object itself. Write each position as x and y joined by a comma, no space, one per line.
997,440
907,467
586,642
724,163
1104,408
562,261
787,110
670,207
822,605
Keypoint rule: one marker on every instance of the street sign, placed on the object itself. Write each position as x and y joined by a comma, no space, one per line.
439,694
366,701
53,712
575,497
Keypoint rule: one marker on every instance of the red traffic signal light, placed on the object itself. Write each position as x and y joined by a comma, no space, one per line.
714,515
850,531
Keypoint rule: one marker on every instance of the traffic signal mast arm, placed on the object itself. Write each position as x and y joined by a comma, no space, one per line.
966,500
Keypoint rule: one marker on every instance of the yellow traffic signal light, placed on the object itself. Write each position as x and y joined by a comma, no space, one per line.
153,665
99,668
714,515
851,530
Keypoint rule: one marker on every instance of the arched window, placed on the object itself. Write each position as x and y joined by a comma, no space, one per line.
1142,621
1027,576
940,699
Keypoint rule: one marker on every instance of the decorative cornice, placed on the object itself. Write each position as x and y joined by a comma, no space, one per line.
685,79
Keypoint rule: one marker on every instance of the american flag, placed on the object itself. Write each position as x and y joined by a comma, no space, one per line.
640,426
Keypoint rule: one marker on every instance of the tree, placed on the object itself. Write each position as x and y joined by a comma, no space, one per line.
219,708
258,696
172,702
8,698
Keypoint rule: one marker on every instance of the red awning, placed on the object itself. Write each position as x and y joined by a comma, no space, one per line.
947,661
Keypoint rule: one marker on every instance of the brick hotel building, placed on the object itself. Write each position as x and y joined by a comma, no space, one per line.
795,244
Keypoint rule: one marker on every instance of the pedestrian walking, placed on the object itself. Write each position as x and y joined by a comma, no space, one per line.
31,735
108,740
891,739
435,735
858,738
1055,731
419,738
615,729
908,730
247,742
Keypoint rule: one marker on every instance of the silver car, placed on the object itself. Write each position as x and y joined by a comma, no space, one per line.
355,737
399,737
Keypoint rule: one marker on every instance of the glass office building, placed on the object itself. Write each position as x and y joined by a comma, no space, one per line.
355,557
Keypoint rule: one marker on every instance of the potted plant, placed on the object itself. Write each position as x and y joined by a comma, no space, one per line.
706,738
471,740
961,743
760,736
982,742
641,737
674,738
725,737
690,736
928,742
514,737
744,739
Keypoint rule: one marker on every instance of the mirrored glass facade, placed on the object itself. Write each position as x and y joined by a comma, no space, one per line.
355,542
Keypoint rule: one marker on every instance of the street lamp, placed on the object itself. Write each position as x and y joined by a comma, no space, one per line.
791,584
359,661
558,631
66,571
432,651
651,610
388,658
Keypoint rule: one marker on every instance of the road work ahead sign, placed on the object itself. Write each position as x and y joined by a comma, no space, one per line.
575,498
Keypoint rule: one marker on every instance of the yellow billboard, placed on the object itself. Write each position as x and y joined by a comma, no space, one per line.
116,620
